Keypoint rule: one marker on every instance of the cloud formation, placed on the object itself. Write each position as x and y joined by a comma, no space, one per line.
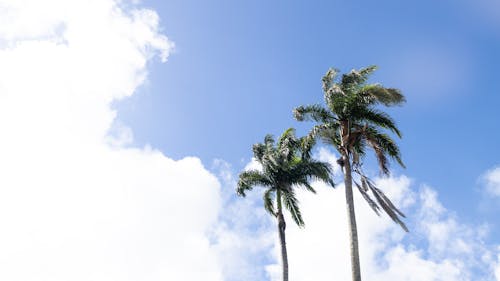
75,204
491,180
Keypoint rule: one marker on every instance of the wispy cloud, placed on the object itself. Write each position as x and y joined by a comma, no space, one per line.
491,181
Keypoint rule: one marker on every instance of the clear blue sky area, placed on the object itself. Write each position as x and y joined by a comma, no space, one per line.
240,67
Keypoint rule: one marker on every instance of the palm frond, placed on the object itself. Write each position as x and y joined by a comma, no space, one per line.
383,144
368,199
307,143
376,93
249,179
292,205
308,169
307,186
355,78
389,208
375,117
329,78
313,112
268,201
261,149
383,202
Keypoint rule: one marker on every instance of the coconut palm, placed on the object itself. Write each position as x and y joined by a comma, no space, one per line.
285,166
351,123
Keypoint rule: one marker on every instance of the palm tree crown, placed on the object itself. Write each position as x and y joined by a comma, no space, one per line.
285,165
351,122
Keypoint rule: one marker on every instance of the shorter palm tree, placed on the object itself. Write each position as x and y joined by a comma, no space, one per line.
285,165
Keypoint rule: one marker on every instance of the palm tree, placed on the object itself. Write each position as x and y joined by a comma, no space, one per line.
285,166
350,122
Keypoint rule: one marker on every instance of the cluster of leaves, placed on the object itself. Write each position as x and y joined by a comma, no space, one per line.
286,165
351,122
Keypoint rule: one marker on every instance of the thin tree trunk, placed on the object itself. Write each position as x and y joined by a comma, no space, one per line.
281,230
353,230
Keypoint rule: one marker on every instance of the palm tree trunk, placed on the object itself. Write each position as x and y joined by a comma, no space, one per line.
281,230
353,229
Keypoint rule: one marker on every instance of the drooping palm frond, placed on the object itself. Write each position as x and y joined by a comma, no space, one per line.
368,199
383,144
292,205
374,117
268,201
381,200
306,184
309,169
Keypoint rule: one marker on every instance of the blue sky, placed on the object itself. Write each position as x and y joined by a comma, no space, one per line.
125,125
238,70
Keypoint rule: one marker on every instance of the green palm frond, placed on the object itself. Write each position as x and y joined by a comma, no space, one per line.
268,201
355,78
249,179
305,184
382,143
261,149
288,144
307,143
376,93
329,79
375,117
292,205
327,132
317,170
313,112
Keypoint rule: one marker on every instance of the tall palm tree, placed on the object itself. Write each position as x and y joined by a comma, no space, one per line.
285,165
351,123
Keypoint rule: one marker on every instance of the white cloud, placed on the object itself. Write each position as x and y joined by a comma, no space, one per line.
245,232
491,180
75,204
497,270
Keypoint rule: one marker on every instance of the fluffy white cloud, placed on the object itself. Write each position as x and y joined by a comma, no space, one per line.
439,246
244,233
75,204
491,180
